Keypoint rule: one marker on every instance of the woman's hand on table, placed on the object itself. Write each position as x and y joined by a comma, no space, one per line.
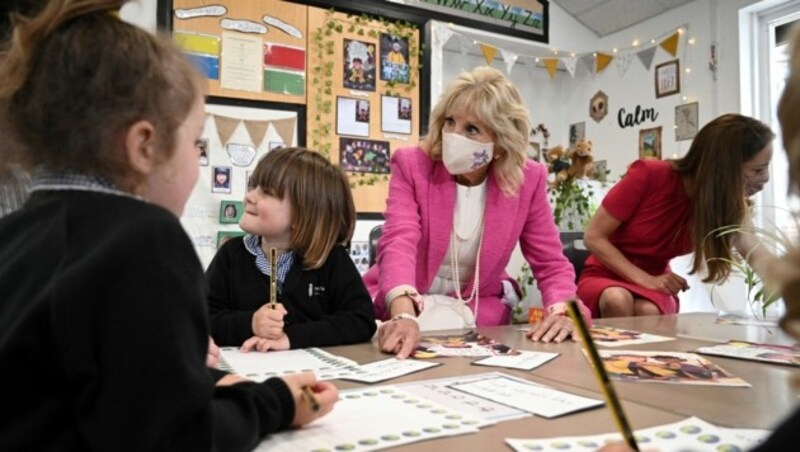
399,336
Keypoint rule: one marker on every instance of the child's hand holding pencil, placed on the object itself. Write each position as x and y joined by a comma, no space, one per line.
313,399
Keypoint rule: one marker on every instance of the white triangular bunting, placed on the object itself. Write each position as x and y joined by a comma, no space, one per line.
509,58
623,61
569,63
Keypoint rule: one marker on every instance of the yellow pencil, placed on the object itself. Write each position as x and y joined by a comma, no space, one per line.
602,376
273,285
308,395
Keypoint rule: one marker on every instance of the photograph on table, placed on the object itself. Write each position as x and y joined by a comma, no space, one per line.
650,144
666,367
359,65
396,114
230,212
352,116
364,156
394,58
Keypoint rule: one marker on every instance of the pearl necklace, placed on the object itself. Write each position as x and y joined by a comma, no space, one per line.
455,238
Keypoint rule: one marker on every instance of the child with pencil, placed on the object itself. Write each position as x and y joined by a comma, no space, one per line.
103,309
300,205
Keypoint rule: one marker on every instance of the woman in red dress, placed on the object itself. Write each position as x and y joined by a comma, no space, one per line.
663,209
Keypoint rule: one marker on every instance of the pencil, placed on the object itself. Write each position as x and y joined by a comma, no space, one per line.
273,284
602,376
308,395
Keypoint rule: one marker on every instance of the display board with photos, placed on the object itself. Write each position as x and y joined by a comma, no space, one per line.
370,101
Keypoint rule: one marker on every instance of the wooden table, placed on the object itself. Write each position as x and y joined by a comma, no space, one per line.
772,396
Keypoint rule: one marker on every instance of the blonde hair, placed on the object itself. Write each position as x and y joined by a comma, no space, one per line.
323,212
76,77
489,95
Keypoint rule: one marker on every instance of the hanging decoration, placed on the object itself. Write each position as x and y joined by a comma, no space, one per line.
256,129
488,52
603,60
595,61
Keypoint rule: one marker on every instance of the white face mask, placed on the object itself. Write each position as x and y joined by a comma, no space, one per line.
462,155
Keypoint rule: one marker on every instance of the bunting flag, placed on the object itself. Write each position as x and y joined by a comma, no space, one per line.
646,57
569,63
488,53
285,128
509,58
443,34
623,63
225,127
257,131
464,44
603,60
671,44
588,60
551,64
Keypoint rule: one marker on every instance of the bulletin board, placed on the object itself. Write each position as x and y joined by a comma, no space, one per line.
358,78
364,100
254,49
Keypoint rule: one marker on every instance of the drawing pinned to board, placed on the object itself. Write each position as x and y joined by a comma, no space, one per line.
202,11
359,65
396,114
285,27
352,116
394,58
364,156
224,236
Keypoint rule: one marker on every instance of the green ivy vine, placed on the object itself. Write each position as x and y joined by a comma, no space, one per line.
323,47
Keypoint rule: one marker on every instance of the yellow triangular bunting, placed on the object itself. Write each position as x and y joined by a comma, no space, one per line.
603,61
551,64
671,44
488,53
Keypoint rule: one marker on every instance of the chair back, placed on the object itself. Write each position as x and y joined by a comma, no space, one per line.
374,236
574,250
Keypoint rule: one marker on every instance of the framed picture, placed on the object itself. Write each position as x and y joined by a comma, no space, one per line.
668,78
686,121
396,114
577,132
221,179
230,212
650,144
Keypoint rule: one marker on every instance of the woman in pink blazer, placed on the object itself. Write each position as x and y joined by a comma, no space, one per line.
457,206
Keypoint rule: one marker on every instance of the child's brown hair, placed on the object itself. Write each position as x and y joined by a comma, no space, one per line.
323,213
